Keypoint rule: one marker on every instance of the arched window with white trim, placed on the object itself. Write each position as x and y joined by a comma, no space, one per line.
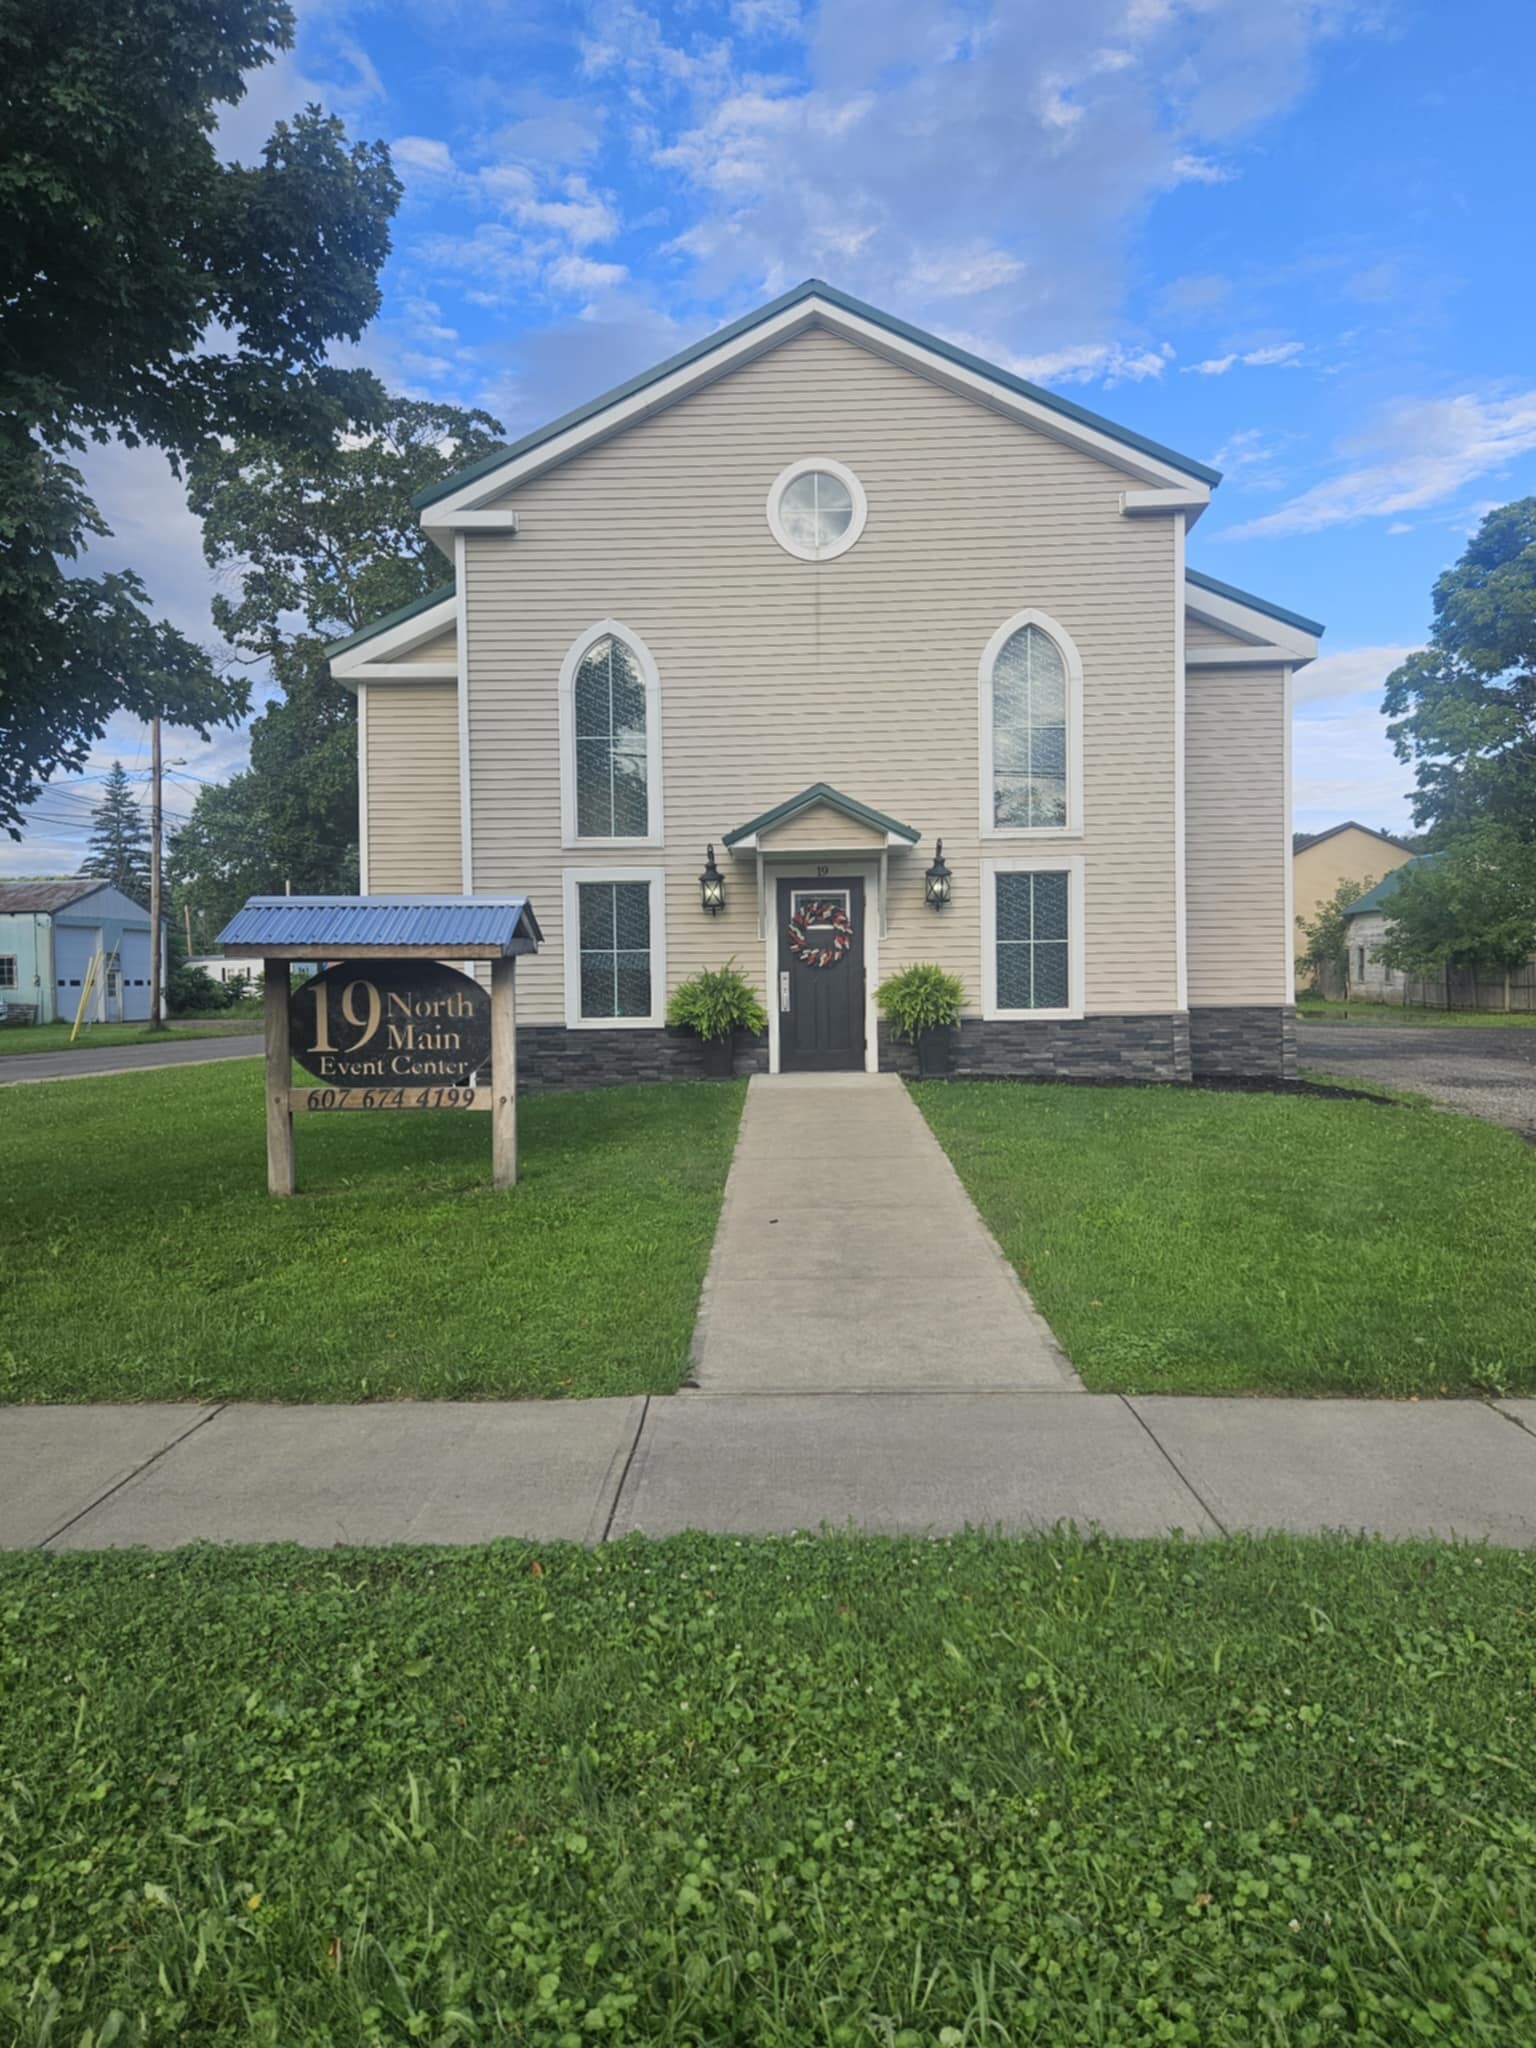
610,740
1031,719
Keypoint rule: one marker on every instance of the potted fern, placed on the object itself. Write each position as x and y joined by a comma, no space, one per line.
715,1004
922,1004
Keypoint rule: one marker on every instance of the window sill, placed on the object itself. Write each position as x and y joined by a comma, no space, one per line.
652,839
1001,834
615,1023
1032,1016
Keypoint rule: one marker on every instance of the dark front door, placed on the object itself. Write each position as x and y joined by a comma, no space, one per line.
821,975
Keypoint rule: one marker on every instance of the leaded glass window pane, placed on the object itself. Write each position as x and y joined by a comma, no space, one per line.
1029,732
1032,942
615,941
612,796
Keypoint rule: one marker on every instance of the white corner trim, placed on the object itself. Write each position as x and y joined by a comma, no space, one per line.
398,643
1073,828
1188,501
570,940
1180,827
466,793
850,484
362,789
661,392
1072,865
1288,856
655,810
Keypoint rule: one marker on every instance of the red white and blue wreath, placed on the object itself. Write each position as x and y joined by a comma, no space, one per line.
821,918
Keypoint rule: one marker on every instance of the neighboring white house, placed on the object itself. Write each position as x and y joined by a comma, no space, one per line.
51,932
804,601
1370,980
217,968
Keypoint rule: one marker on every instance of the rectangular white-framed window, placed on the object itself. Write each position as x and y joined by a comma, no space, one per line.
1032,937
7,970
615,948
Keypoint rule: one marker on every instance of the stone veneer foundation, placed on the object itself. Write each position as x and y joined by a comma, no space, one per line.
1150,1048
1246,1044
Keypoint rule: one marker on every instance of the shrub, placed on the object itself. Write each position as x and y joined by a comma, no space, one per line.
717,1002
920,998
192,992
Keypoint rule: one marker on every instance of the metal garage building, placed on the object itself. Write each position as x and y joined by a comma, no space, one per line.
50,932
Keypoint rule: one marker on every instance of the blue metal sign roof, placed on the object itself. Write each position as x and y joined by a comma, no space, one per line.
479,926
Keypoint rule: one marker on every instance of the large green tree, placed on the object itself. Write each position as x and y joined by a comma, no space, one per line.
321,541
1463,709
118,849
1472,906
151,292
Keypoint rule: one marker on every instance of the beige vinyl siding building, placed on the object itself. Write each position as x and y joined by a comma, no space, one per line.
990,639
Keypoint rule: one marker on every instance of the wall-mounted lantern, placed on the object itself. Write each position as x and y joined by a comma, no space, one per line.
711,885
936,881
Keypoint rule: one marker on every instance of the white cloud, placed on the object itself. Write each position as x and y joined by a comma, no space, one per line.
1082,363
422,154
766,17
962,273
1198,170
1350,672
1419,454
1274,353
1343,766
579,274
1037,136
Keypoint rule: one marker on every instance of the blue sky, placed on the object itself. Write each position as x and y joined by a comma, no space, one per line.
1290,237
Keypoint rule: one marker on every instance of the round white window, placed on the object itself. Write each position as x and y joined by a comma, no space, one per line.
816,509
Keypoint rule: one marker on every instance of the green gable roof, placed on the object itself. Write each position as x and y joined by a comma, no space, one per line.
813,288
397,617
1380,894
822,793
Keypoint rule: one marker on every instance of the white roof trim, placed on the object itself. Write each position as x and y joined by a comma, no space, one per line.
387,655
1259,633
447,513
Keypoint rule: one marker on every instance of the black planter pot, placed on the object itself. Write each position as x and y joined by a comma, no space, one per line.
719,1056
935,1052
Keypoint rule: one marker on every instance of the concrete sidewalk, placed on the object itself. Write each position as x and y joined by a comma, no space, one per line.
849,1258
584,1471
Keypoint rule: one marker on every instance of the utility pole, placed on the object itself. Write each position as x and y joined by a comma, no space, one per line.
154,873
186,911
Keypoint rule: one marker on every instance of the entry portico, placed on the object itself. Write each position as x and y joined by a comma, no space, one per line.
820,853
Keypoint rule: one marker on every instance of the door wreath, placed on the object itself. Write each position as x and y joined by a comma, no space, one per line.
828,917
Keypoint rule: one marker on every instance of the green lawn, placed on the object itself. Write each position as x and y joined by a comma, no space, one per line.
1310,1010
1187,1241
142,1258
22,1038
712,1794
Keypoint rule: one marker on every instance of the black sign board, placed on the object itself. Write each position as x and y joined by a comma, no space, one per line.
390,1023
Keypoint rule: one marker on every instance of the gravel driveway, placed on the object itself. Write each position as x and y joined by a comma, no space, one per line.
1489,1073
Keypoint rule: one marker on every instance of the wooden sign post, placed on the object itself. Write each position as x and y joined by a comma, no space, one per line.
388,1023
274,1012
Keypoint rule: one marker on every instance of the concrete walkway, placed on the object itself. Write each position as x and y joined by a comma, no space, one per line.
585,1471
849,1259
84,1062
